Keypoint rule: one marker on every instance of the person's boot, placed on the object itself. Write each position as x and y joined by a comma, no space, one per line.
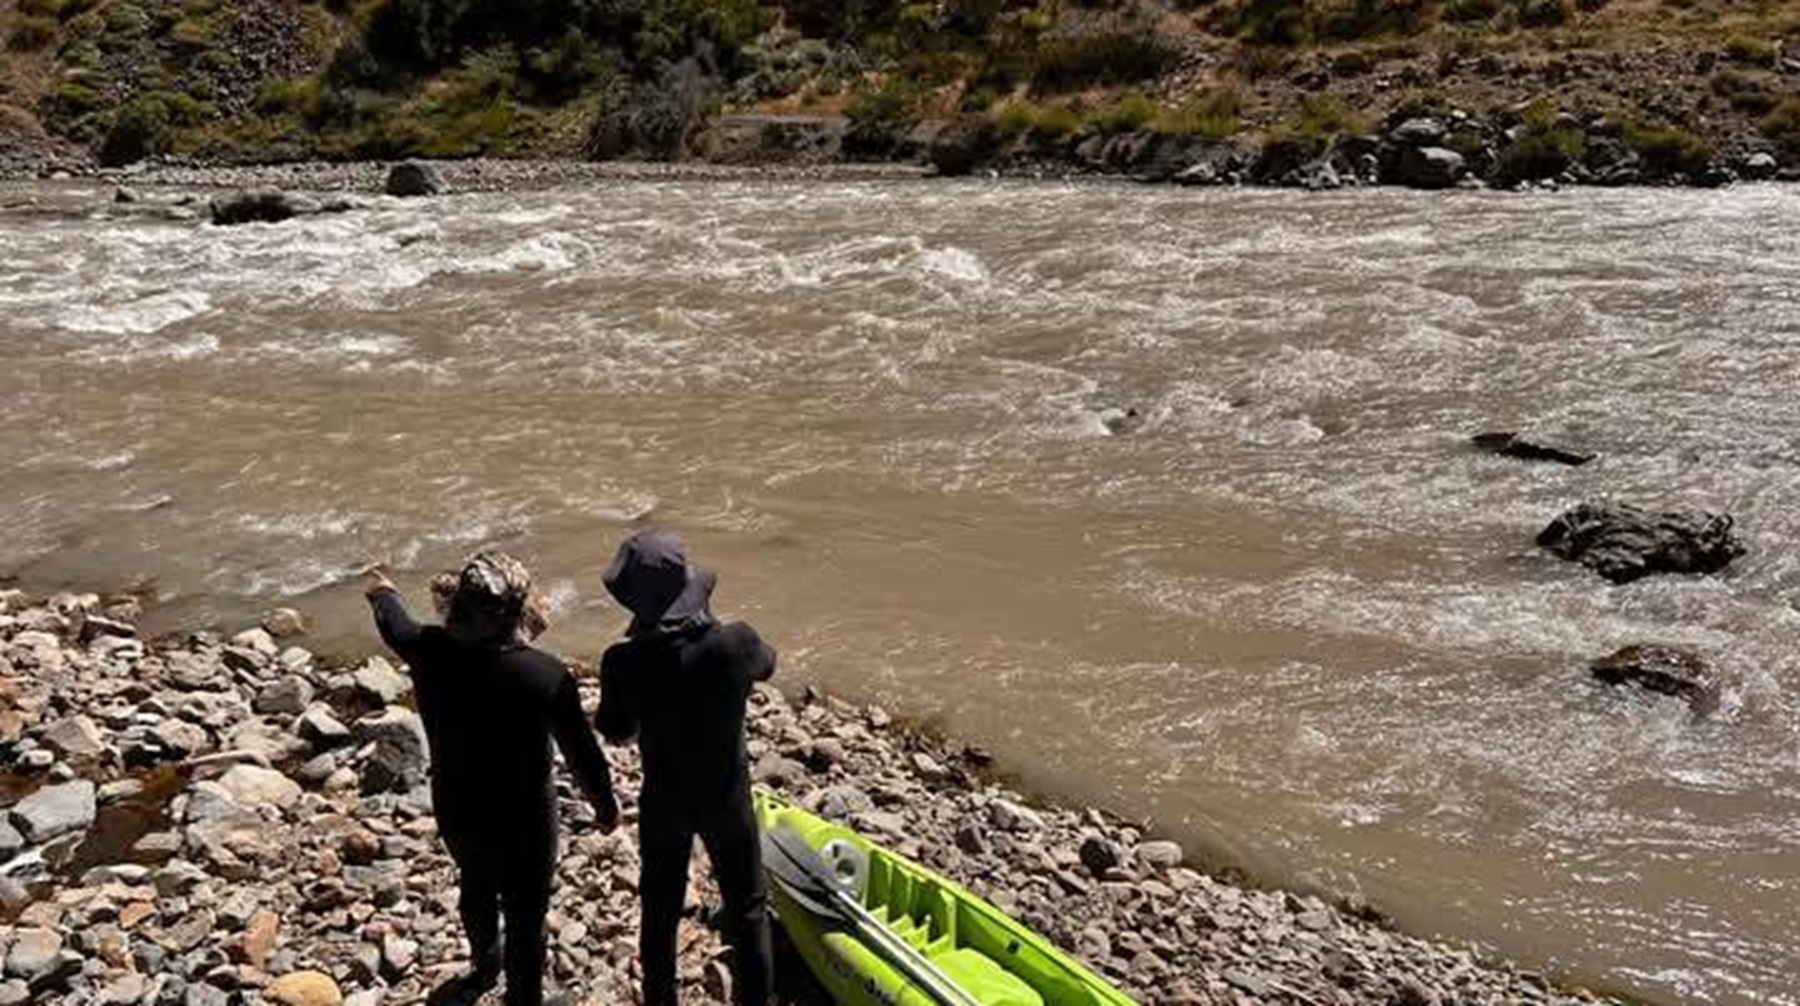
467,988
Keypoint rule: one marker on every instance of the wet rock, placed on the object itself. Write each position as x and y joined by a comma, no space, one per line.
14,993
253,786
1624,543
414,178
288,697
1669,670
124,195
265,206
284,623
304,988
1512,445
11,842
1760,166
55,810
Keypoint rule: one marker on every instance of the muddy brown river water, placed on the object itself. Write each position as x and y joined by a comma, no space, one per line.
1289,616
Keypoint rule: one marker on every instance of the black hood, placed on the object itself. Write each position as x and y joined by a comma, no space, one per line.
666,594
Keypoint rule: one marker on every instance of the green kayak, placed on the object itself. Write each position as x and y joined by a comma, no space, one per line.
880,930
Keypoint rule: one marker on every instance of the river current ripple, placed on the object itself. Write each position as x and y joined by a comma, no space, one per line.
1291,616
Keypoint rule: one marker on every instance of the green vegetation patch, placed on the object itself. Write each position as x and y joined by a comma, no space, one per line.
1782,125
1545,148
1669,150
32,33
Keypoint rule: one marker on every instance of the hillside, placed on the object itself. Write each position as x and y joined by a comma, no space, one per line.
1268,90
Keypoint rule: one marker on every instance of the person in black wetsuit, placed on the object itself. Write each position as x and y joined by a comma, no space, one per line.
679,684
491,706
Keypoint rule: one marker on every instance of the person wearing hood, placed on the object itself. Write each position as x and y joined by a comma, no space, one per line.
679,685
492,706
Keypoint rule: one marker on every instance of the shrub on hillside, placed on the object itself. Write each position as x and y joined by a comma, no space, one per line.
1669,150
1748,93
1543,13
1782,125
1216,115
52,9
1753,51
1133,111
1544,150
1346,20
140,128
31,33
1322,115
1087,47
880,115
1471,11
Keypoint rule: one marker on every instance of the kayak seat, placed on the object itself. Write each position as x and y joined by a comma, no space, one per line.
988,982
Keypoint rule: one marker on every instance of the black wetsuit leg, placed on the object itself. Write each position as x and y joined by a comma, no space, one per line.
526,900
478,877
666,841
733,846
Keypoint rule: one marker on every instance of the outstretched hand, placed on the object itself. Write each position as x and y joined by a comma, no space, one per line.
375,581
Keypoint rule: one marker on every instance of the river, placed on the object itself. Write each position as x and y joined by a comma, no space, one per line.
1286,613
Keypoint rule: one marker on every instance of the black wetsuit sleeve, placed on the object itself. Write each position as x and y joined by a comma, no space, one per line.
758,657
397,628
579,747
618,715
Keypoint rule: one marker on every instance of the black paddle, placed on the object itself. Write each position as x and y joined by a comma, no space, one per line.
806,878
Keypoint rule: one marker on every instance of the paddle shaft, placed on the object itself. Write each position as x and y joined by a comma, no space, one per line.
793,851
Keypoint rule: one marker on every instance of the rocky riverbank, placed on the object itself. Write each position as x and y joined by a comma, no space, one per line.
205,820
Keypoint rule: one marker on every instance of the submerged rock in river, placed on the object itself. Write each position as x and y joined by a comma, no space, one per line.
414,178
1624,543
268,206
1513,445
1670,670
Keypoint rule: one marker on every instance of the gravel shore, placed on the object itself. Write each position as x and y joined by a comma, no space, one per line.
204,821
483,175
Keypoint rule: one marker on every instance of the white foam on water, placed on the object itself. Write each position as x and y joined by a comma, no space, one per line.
131,315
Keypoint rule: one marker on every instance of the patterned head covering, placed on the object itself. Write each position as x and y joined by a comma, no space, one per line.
488,605
537,607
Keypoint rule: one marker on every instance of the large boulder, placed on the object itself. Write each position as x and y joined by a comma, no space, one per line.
260,206
55,810
1423,131
1670,670
414,178
1425,168
1624,543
